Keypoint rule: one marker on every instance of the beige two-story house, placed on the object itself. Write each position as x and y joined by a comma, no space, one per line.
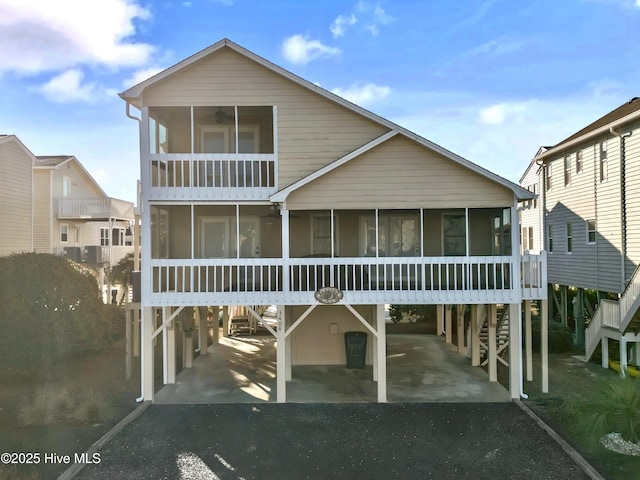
261,188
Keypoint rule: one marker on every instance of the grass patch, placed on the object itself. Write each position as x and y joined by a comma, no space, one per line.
53,405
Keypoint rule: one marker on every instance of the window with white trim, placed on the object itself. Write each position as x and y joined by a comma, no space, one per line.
569,238
530,232
579,161
567,170
604,173
66,186
549,182
104,237
321,235
550,238
64,233
591,232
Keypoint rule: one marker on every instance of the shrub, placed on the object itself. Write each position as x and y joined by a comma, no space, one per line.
613,406
49,308
91,407
560,336
49,405
421,313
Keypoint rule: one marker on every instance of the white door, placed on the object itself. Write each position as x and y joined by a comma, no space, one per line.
214,237
249,238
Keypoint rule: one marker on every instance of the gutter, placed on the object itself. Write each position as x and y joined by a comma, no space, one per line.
623,203
141,397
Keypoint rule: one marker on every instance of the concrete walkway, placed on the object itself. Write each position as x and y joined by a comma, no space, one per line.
420,368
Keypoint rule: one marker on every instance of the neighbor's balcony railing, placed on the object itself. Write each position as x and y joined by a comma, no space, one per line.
363,280
212,176
94,208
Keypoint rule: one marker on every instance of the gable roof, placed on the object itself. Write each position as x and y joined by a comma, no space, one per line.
6,138
625,113
133,95
53,162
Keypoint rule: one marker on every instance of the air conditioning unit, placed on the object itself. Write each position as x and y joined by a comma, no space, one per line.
73,253
93,254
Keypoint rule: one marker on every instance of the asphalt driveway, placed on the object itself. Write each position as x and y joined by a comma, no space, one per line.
334,441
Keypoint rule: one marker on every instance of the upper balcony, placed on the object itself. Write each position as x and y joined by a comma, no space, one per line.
94,208
210,153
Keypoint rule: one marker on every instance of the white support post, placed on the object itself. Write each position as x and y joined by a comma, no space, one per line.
492,322
127,349
460,329
475,335
623,356
188,349
447,326
146,359
381,354
515,350
225,321
288,358
203,332
165,356
605,352
439,319
528,339
281,356
171,351
544,344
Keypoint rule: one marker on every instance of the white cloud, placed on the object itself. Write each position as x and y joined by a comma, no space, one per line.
140,76
363,94
500,113
501,46
299,49
338,27
68,87
375,16
502,136
41,36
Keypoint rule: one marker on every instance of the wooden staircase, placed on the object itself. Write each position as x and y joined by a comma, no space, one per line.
618,320
502,337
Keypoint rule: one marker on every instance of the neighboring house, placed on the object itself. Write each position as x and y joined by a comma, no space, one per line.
16,196
261,188
589,188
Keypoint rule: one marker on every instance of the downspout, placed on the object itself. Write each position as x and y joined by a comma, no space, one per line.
141,397
623,202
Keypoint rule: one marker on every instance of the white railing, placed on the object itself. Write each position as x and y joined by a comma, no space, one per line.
607,315
212,176
94,254
363,280
94,208
533,274
630,300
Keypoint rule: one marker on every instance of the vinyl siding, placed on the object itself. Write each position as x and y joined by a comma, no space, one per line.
400,173
312,131
586,198
16,231
43,211
530,216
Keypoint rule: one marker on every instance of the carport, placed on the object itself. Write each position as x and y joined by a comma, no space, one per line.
420,368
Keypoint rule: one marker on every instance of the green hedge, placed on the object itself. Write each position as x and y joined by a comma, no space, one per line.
50,308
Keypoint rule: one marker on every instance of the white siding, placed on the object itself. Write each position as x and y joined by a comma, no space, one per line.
400,173
586,198
531,211
312,131
16,231
43,211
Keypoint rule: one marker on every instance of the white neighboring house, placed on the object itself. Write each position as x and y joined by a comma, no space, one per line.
589,217
16,196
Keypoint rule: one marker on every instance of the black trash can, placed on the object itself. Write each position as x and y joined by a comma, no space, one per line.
356,349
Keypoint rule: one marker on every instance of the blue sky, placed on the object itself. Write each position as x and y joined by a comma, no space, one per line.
491,80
